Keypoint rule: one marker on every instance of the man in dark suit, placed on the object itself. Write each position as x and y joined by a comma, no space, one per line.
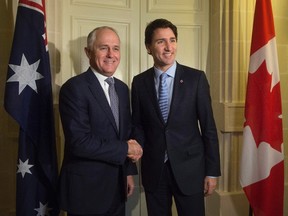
175,125
97,169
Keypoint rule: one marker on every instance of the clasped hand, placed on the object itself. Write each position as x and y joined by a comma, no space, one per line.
135,150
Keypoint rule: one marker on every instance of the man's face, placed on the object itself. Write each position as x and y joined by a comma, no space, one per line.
105,55
163,48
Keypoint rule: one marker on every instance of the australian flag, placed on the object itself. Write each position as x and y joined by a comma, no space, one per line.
28,99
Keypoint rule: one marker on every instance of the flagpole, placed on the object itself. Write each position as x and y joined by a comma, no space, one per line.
250,211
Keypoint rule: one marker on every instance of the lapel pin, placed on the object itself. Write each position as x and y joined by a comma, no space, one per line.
181,81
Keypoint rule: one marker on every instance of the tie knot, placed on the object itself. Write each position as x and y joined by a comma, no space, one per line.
110,81
163,76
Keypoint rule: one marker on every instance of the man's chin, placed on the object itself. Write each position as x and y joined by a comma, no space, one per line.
108,73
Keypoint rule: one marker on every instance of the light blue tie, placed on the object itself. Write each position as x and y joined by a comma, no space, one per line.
163,101
114,102
163,96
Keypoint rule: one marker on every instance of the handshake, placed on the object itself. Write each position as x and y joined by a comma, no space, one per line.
135,150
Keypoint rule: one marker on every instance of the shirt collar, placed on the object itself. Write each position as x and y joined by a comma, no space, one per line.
99,76
170,72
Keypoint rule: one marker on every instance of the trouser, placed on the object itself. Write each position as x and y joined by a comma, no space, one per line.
159,202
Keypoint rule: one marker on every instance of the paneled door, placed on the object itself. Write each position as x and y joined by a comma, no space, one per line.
130,18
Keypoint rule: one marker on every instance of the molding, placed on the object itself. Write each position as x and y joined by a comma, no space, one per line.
232,203
227,204
179,6
191,50
230,116
81,26
119,4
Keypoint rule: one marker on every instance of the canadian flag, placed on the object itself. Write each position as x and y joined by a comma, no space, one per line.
262,164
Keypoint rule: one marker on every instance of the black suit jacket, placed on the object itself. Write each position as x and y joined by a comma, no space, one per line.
190,134
95,152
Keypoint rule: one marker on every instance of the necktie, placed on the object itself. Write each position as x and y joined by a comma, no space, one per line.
114,102
163,96
163,101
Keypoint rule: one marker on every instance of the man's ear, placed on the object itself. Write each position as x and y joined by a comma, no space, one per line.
87,51
148,49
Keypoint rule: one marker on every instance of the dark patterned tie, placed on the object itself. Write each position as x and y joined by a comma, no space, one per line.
163,96
114,102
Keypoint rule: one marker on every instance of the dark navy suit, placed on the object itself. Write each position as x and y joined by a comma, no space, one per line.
189,135
95,165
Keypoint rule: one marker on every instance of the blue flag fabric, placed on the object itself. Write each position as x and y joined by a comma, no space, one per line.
28,99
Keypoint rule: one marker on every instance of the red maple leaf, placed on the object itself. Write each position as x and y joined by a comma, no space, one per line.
263,112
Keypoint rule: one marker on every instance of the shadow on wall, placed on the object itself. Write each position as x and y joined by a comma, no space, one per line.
77,54
55,66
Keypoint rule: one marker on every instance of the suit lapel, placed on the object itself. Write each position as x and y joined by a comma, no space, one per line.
100,97
150,88
177,89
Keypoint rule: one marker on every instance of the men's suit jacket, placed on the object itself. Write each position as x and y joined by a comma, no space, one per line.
95,152
193,152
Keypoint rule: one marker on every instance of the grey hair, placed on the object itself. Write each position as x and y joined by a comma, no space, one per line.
92,35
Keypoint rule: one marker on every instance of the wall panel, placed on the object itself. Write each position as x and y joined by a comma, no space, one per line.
172,6
100,3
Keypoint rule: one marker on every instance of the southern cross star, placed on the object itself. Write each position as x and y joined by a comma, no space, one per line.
25,74
43,210
24,167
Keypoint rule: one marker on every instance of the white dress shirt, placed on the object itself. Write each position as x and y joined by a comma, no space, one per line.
105,86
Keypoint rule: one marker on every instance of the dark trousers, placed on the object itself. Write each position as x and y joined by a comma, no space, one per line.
117,207
159,202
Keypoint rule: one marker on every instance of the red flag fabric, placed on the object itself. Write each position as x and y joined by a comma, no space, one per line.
262,164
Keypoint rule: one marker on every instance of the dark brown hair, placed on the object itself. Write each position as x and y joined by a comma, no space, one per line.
158,23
